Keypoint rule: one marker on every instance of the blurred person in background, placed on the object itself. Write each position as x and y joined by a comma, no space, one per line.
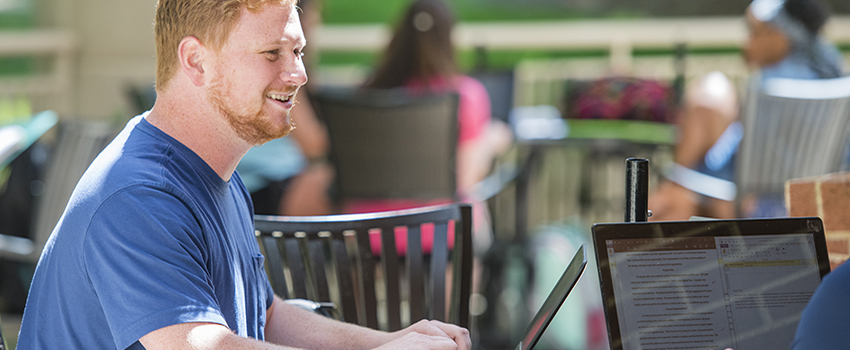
421,58
784,42
289,175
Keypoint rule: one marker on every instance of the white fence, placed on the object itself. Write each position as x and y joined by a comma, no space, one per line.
50,86
619,37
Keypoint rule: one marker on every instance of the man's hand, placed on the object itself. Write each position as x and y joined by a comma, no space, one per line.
419,341
293,326
434,334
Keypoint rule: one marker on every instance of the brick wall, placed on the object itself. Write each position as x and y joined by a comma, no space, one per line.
828,197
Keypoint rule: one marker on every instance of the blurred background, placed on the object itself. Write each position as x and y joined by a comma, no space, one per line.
95,49
93,61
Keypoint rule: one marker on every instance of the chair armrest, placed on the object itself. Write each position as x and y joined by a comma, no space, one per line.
703,184
501,177
15,245
326,309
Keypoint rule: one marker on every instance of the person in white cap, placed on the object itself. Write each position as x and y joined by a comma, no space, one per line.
784,42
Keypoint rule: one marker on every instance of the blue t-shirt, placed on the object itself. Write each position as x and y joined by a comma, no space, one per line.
151,237
825,323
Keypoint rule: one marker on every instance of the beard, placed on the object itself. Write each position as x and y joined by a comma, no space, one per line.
252,123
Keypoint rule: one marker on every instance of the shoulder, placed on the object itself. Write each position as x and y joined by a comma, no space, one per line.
142,212
473,95
469,85
825,320
794,66
139,178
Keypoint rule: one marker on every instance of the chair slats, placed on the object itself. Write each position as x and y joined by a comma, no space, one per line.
462,278
274,267
368,301
312,265
790,133
319,253
329,259
415,268
389,262
292,256
343,268
439,256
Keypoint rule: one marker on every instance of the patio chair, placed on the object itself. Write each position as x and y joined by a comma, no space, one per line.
77,146
328,259
387,144
792,129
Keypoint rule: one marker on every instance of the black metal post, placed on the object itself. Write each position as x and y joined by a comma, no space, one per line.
522,189
637,189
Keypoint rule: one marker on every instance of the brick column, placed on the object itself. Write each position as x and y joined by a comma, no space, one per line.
827,197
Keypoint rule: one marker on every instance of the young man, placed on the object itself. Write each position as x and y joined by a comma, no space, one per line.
155,249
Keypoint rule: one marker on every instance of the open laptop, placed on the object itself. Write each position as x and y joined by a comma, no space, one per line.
554,301
715,284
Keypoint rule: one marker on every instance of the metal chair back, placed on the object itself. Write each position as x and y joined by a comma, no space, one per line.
792,129
329,259
389,144
77,146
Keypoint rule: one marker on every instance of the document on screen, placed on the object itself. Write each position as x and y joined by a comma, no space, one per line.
744,292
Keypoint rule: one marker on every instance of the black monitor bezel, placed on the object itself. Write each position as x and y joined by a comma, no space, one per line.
696,228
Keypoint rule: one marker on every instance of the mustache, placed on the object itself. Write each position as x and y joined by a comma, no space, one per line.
285,90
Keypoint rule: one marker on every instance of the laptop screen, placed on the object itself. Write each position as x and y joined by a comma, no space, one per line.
708,284
554,301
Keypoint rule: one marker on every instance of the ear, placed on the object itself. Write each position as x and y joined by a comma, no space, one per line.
191,53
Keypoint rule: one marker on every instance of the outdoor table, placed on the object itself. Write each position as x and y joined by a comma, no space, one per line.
600,138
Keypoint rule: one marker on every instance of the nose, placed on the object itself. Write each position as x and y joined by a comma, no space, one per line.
294,73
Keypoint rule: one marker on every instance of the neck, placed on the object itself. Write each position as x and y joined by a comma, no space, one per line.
200,128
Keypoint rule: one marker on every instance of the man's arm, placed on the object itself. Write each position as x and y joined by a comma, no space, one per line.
290,325
298,328
197,335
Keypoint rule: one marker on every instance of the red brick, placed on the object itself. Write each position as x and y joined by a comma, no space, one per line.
836,261
836,243
833,197
800,197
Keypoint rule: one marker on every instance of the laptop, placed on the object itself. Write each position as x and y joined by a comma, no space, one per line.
715,284
554,301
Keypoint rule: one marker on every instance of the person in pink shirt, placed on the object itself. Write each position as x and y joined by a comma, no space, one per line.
421,58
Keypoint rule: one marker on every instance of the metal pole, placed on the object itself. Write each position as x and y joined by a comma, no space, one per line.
637,189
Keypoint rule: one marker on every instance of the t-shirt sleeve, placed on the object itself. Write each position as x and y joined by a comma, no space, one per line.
144,258
473,109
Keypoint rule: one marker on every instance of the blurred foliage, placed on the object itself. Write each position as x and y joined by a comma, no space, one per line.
16,14
387,11
17,65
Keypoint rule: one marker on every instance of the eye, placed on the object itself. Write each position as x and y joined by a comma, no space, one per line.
299,52
272,55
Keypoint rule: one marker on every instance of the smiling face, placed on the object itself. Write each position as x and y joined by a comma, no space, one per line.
258,71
